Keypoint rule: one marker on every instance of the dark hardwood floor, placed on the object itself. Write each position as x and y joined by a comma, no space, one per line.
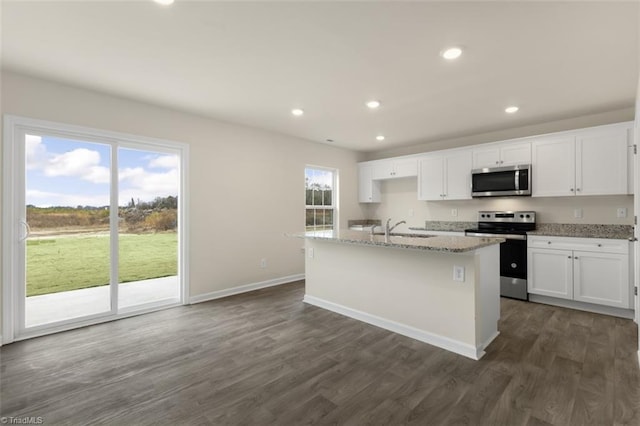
266,358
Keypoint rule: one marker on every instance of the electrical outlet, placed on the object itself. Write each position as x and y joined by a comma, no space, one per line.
454,212
458,273
263,263
410,212
577,213
622,212
310,253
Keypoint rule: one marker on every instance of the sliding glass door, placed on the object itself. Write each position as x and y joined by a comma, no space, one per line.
93,227
67,246
148,224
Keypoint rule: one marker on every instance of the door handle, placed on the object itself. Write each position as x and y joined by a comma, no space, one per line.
27,228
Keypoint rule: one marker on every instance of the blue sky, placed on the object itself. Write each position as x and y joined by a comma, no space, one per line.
322,177
63,172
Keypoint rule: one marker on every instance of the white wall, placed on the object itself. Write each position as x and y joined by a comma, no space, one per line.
246,185
400,195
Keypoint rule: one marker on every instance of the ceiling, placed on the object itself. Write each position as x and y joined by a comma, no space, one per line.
252,62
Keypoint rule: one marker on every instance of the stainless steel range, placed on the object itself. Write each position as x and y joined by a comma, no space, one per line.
513,227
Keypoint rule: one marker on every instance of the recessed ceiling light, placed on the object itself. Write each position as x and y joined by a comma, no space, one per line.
380,138
511,109
451,53
373,104
164,2
297,112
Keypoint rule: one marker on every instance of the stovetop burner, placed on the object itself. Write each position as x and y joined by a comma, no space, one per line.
505,222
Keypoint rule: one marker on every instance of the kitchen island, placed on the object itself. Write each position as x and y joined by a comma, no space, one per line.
441,290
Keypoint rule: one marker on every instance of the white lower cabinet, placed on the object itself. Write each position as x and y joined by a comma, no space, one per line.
550,272
601,278
582,269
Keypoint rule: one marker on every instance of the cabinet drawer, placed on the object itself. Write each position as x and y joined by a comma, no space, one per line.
597,245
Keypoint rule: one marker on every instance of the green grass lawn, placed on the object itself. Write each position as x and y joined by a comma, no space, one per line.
71,263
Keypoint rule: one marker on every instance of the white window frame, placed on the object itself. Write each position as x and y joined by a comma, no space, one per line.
13,179
334,195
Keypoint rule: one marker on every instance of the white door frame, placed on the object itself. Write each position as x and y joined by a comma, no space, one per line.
12,232
636,212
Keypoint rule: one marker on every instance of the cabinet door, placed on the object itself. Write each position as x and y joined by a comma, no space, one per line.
601,161
601,278
515,153
553,161
383,170
457,181
368,189
430,178
550,272
486,157
405,168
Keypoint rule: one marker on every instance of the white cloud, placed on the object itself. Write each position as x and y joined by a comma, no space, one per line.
83,163
165,162
158,178
35,151
140,184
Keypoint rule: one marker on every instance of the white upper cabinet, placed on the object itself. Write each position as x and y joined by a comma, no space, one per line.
601,161
431,178
445,176
503,154
368,189
395,168
553,163
589,162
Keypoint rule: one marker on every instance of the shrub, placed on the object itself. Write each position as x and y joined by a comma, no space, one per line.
162,221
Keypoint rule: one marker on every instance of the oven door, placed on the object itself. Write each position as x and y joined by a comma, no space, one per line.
513,264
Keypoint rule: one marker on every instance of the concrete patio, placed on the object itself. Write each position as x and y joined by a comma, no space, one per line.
65,305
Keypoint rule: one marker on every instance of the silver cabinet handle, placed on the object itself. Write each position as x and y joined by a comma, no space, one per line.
569,257
577,189
548,242
599,245
576,258
571,189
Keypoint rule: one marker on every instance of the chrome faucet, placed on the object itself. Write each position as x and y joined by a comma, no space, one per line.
388,229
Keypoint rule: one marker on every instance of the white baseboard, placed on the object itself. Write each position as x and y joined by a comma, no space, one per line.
452,345
244,288
581,306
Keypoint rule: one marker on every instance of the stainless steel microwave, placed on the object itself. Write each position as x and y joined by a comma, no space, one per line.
501,181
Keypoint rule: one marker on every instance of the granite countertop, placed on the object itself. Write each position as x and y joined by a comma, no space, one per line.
619,232
405,241
437,225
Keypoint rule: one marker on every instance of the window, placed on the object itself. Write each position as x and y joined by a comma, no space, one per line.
320,195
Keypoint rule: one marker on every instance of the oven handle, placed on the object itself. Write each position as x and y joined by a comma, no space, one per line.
505,236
